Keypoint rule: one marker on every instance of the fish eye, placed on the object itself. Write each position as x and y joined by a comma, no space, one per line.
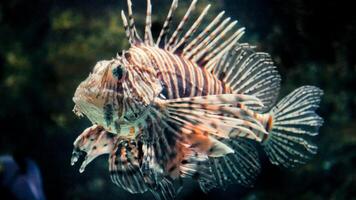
118,72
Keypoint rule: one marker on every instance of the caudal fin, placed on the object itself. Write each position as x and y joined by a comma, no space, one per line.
294,124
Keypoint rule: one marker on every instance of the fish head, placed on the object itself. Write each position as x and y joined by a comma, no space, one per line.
100,96
93,142
117,92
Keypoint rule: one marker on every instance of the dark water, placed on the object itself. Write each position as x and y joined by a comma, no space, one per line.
48,47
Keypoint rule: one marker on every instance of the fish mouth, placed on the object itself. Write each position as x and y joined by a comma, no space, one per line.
77,111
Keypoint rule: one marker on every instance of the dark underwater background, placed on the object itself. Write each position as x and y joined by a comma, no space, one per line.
48,47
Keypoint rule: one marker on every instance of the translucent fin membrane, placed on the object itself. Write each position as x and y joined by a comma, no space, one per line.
294,124
124,167
249,72
166,190
240,167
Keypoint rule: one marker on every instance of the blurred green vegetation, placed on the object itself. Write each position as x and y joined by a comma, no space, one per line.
48,47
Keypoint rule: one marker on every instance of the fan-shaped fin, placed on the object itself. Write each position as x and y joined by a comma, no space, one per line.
161,139
165,190
195,119
293,126
249,72
196,165
160,185
125,169
240,167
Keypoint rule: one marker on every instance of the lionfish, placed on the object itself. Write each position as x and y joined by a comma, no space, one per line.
188,105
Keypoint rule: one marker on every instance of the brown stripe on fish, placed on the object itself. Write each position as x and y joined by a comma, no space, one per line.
187,79
166,71
157,58
180,77
199,77
146,69
171,71
180,73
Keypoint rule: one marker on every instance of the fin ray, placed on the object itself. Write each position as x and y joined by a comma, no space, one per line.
192,29
148,33
167,22
180,27
249,72
241,167
288,143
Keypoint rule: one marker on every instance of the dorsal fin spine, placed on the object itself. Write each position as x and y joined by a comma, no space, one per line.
193,52
222,47
167,22
132,28
180,27
192,30
192,44
212,58
126,26
148,33
214,41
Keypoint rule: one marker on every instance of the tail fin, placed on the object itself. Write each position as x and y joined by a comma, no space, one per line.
294,124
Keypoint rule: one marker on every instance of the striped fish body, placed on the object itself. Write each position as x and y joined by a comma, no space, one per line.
188,105
180,77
